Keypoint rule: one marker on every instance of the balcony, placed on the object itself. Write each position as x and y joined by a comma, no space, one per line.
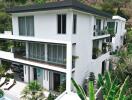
98,52
10,57
33,39
36,53
99,34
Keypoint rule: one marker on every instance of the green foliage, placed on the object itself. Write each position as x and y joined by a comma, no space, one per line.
6,45
91,91
33,91
40,1
122,14
62,87
107,7
51,97
79,90
2,71
112,90
1,93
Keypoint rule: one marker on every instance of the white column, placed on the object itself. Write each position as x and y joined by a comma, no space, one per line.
46,52
31,74
107,65
27,52
26,73
69,67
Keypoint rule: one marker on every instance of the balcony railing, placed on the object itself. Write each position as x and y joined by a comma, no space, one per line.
21,53
105,31
100,32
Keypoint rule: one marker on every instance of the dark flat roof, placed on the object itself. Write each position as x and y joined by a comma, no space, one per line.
74,4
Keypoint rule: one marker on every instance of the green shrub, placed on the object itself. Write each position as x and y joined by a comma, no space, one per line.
1,93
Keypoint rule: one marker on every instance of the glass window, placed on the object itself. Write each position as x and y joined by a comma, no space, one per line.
30,25
57,53
37,51
61,23
22,26
26,26
98,24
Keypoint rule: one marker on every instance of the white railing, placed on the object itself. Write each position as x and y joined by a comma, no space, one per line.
60,96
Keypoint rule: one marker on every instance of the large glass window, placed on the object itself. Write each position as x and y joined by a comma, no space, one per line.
61,18
26,25
111,27
57,53
37,51
98,25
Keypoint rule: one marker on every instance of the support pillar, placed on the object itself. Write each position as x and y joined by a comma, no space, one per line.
68,67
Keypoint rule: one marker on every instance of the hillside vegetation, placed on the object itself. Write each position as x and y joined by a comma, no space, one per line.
120,7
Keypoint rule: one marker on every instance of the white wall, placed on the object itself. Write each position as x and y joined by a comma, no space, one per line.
84,43
83,40
46,79
46,27
45,24
117,40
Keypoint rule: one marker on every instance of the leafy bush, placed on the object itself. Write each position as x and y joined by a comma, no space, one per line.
51,97
1,93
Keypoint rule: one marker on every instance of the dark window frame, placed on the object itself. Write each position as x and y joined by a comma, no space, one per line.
74,23
61,23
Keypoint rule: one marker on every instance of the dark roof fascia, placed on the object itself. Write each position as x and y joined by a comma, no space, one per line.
58,5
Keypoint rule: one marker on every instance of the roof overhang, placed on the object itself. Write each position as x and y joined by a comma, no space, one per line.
66,4
119,18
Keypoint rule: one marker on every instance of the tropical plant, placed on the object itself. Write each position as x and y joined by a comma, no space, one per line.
111,89
96,52
33,91
81,92
1,93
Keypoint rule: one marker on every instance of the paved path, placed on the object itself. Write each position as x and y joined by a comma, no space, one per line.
15,92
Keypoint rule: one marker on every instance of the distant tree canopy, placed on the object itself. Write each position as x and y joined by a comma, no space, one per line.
111,6
114,7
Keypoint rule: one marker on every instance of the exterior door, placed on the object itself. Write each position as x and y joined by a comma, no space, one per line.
56,81
35,73
40,76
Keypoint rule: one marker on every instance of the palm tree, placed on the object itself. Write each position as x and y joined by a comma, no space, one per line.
33,91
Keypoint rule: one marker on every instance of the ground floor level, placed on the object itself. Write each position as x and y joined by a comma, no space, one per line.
49,79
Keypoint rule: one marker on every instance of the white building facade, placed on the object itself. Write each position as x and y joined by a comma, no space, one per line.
120,33
56,41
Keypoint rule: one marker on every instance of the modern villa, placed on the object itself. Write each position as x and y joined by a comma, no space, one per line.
57,41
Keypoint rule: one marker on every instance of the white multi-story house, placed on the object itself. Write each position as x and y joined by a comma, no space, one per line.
56,41
120,33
